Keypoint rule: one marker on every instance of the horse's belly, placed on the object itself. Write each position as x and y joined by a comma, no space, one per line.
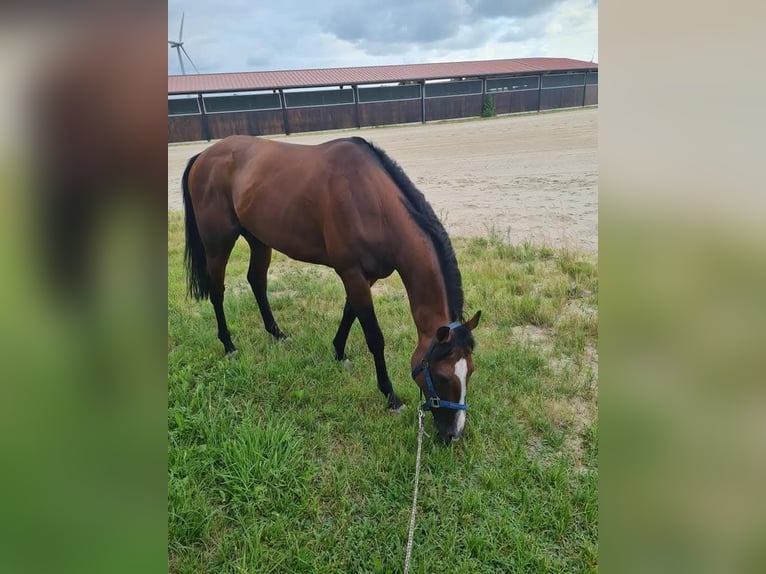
302,228
295,244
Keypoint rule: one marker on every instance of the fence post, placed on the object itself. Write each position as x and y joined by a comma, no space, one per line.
539,91
283,103
203,118
356,106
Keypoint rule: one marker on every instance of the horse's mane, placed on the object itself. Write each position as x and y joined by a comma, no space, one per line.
423,214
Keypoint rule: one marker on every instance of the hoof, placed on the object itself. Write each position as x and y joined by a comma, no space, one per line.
395,405
346,363
232,354
397,411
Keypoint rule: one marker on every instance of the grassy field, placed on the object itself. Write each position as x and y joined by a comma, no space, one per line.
282,460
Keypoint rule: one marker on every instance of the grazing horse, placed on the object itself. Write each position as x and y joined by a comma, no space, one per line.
344,204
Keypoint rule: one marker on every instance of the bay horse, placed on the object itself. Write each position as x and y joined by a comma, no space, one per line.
346,205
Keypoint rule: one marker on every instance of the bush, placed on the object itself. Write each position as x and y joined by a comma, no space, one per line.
488,110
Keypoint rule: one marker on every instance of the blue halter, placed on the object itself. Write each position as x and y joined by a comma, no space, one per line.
433,401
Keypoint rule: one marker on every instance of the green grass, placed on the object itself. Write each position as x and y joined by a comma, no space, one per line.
282,460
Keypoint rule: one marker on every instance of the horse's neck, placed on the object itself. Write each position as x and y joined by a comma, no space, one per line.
423,280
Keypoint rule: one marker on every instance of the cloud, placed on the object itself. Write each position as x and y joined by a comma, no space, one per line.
395,22
374,25
240,35
510,8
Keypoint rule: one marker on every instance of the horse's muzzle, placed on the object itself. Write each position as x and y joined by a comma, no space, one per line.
449,437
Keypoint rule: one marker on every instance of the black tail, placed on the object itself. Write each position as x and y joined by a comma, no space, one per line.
194,255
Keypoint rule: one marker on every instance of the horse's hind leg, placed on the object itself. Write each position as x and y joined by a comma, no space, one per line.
216,268
359,296
260,259
217,258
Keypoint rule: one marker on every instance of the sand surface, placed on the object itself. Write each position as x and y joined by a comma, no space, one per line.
524,177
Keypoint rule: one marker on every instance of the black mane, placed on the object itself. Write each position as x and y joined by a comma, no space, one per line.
423,214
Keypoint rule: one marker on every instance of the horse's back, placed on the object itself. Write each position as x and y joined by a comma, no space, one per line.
328,203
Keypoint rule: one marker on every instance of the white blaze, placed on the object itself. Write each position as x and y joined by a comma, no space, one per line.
461,371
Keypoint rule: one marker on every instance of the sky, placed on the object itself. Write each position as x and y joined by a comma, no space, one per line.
253,35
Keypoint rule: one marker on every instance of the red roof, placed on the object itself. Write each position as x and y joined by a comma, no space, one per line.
243,81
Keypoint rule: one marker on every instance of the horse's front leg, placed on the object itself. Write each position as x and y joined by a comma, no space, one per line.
260,259
359,296
339,342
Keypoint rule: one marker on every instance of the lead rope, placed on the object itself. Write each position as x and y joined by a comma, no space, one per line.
421,416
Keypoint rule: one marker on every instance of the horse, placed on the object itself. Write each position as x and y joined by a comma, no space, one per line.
347,205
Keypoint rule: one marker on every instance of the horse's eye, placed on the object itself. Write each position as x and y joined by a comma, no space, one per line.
443,380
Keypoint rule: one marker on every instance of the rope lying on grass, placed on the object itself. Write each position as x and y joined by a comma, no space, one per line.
408,556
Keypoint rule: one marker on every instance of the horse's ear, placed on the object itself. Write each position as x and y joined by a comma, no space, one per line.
443,334
473,321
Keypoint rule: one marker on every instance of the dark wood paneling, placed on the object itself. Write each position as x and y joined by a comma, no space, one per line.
392,112
255,123
318,119
269,122
453,107
561,98
591,95
514,102
184,128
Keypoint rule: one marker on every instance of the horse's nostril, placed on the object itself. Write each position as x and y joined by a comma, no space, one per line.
451,437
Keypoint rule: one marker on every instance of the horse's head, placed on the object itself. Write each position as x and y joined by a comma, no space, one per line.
442,373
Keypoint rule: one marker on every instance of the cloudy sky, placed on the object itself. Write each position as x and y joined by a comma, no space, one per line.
254,35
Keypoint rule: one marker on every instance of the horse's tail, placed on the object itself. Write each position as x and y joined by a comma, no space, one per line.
194,256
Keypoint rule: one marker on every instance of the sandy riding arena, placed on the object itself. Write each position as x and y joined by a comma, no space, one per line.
525,177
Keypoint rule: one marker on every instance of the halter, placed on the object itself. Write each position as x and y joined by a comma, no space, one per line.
433,401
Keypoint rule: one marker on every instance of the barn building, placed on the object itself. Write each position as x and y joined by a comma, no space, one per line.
212,106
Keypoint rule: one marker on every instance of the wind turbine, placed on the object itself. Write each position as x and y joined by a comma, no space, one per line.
179,46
